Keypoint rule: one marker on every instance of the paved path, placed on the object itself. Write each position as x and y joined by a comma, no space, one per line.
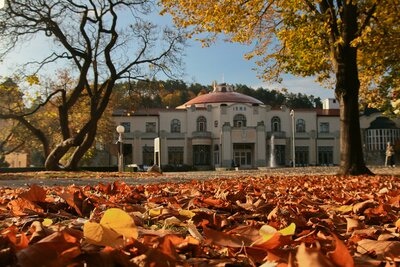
180,177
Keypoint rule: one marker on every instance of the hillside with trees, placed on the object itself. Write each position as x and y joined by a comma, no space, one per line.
172,93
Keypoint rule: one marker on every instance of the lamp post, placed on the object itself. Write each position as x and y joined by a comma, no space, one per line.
120,130
293,140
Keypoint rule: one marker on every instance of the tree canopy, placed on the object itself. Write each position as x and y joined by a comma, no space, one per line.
302,36
93,40
340,42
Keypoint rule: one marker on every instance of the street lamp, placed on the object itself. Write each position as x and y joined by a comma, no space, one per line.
293,139
120,130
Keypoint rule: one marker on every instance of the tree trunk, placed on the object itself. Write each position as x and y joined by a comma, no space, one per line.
53,159
351,156
81,150
86,136
347,90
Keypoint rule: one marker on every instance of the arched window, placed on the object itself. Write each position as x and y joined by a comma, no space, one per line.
201,124
300,126
175,126
276,124
239,120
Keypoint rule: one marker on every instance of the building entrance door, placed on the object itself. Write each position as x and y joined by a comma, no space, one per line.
243,155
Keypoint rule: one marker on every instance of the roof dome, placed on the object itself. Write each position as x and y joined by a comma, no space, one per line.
222,93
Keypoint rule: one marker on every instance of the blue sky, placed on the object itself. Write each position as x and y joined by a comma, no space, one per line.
221,62
225,61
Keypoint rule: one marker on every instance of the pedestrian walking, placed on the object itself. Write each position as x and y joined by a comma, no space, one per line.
389,161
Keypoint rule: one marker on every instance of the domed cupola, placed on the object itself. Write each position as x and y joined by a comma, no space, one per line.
222,93
222,88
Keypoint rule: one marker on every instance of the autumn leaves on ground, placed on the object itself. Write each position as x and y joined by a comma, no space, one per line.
245,221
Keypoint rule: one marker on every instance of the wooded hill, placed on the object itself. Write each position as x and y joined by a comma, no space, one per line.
172,93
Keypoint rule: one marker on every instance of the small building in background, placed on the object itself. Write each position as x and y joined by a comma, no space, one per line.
17,159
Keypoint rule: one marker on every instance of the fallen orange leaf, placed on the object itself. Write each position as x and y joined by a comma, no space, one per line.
341,255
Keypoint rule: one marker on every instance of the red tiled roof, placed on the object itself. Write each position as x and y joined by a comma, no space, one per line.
222,97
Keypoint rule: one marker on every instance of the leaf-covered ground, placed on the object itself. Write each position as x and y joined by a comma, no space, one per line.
242,221
81,174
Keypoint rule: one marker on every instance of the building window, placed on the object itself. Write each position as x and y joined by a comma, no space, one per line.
276,124
201,155
127,126
223,108
324,127
300,126
150,127
175,126
201,124
325,155
216,154
127,151
175,155
148,155
242,155
301,154
239,120
215,124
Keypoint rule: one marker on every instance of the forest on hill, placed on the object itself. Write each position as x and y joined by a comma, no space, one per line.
172,93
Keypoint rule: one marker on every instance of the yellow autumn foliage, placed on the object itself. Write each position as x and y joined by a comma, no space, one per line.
299,37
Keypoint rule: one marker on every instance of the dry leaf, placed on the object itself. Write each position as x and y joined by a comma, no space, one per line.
57,249
224,239
359,208
341,255
311,258
397,223
22,206
34,194
381,249
267,231
353,224
194,232
115,226
187,213
345,208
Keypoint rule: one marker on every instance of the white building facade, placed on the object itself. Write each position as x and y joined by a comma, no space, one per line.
224,128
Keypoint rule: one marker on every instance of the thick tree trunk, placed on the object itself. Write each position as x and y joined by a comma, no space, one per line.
53,159
81,150
347,90
351,159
